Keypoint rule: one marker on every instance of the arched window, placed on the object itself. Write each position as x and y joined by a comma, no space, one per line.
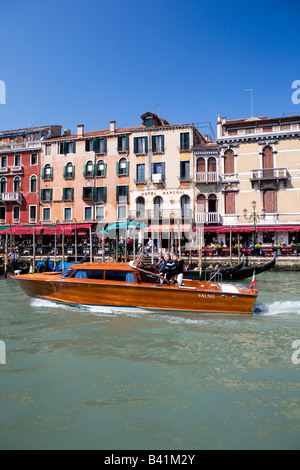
185,206
201,203
158,207
33,184
268,161
3,184
101,169
228,162
140,207
17,184
122,167
211,165
212,203
88,169
47,173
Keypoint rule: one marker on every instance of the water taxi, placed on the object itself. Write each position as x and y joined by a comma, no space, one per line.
127,285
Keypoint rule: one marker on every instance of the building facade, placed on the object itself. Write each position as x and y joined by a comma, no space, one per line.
259,161
20,152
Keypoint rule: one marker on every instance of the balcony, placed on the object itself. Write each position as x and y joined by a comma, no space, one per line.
229,178
4,169
269,174
207,177
208,217
17,169
167,214
11,197
20,146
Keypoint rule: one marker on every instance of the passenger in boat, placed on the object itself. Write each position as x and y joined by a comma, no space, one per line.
160,265
12,258
169,269
179,268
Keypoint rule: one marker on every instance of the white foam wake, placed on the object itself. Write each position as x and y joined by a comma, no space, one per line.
278,308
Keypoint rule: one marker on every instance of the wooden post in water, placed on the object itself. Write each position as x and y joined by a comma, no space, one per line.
6,253
91,246
75,241
63,248
230,245
200,254
102,243
55,244
33,251
239,250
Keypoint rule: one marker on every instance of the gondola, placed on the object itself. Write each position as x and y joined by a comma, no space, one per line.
248,271
226,271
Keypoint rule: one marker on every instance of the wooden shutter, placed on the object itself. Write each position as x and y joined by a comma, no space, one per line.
230,203
201,203
212,165
229,162
200,165
269,201
268,162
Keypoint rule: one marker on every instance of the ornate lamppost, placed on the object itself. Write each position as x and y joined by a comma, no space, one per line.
255,217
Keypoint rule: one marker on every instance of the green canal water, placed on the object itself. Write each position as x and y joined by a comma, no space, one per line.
92,378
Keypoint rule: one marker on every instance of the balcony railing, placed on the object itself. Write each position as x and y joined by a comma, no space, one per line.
20,146
11,197
269,173
160,213
207,217
207,177
229,177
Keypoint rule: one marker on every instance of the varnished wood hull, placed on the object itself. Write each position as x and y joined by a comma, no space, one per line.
190,298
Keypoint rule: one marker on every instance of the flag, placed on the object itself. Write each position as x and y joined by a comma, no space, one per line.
253,280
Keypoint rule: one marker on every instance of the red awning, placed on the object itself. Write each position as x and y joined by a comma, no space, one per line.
168,228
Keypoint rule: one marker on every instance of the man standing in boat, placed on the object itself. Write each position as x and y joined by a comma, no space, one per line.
169,270
179,263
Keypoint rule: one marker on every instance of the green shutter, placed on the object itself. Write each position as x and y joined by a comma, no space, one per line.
65,147
104,145
127,193
127,142
72,194
118,192
65,171
127,167
118,168
146,144
135,145
153,143
104,193
51,173
64,194
42,194
96,144
104,170
95,169
51,193
73,171
85,170
74,147
43,173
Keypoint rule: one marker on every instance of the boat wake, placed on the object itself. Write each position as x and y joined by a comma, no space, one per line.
278,308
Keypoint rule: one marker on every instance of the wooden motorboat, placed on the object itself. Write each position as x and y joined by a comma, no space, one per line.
126,285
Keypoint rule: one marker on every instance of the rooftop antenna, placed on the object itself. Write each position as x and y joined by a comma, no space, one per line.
251,90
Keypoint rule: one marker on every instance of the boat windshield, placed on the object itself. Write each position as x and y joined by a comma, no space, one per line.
67,273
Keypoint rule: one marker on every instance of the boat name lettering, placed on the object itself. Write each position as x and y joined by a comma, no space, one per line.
206,296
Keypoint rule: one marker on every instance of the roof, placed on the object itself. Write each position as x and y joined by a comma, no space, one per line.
104,265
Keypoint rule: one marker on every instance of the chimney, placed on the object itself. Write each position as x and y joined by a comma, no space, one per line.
80,130
112,126
206,138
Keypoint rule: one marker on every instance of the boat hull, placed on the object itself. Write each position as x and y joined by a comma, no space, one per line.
188,298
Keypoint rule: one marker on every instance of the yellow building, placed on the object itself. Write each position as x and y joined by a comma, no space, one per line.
260,177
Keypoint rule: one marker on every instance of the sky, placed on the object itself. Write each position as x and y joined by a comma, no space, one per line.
89,62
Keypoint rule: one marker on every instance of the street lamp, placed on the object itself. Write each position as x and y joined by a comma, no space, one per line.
254,216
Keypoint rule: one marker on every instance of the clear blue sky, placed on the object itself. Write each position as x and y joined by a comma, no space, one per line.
92,61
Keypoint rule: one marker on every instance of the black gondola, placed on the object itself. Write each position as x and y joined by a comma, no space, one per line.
257,268
226,271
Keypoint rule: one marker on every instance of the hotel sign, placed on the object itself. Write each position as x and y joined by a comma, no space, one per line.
167,192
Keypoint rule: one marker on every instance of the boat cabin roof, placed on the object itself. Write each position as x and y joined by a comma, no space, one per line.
102,266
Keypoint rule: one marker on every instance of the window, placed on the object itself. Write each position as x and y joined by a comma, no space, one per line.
88,274
17,184
141,145
122,193
96,145
158,208
47,151
100,212
268,162
16,214
67,213
46,194
123,143
123,167
3,183
4,162
185,206
32,214
269,201
101,169
88,169
140,207
185,170
211,165
68,194
100,194
88,213
228,162
33,184
2,214
158,172
184,141
34,159
47,173
122,211
158,143
17,160
66,147
88,192
46,214
69,171
140,173
229,202
123,276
